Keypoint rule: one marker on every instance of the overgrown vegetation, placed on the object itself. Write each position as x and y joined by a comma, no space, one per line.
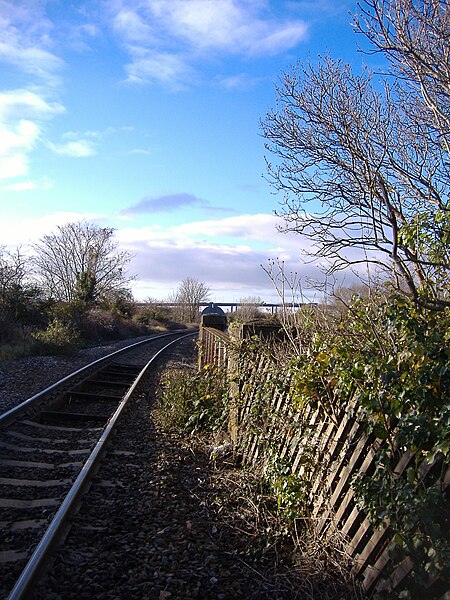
48,327
291,561
261,507
58,338
363,165
382,360
392,358
71,291
192,401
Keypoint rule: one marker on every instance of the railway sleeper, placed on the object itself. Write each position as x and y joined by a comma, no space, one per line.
76,395
59,418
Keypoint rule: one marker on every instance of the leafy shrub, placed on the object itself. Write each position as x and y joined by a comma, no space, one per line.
289,490
385,362
99,324
149,313
393,358
58,338
193,401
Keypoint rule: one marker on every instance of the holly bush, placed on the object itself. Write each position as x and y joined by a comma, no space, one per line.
392,358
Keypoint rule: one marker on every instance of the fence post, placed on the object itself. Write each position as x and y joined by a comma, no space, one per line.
212,321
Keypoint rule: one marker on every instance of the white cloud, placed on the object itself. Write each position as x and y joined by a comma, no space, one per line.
166,38
275,40
13,165
226,235
142,151
226,254
166,69
80,36
228,261
254,227
20,187
202,23
237,82
83,144
23,103
33,61
43,184
21,112
25,41
75,149
33,229
15,143
132,26
230,25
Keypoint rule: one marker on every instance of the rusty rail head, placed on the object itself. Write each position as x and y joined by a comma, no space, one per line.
22,408
38,559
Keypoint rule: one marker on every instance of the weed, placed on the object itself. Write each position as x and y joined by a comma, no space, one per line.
193,401
58,338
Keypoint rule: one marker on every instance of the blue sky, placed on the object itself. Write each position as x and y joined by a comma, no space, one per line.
144,115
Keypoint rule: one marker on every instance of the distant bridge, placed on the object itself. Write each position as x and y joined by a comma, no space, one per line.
234,306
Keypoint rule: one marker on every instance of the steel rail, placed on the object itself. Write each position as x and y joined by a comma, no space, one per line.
40,554
22,408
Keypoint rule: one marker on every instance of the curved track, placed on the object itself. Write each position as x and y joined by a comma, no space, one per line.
50,447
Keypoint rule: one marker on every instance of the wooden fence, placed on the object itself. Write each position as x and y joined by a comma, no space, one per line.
339,446
213,347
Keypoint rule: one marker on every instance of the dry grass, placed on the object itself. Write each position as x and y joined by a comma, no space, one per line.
291,561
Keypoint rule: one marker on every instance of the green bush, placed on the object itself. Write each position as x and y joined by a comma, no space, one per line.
386,362
193,401
58,338
393,358
148,314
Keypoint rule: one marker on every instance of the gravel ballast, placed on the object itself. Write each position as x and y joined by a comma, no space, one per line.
21,379
152,526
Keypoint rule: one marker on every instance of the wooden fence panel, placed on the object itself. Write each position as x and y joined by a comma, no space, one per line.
342,448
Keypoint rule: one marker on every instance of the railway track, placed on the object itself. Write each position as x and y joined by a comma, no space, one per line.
50,447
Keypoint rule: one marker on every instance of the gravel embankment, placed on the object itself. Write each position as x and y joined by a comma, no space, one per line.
146,531
157,525
21,379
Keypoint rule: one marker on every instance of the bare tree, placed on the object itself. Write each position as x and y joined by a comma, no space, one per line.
188,296
81,262
18,297
362,168
415,37
13,268
248,309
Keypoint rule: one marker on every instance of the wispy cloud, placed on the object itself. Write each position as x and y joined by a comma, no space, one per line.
258,227
81,144
24,103
166,39
26,48
131,25
32,229
15,144
76,149
20,187
81,36
241,81
24,186
25,41
151,66
230,25
142,151
162,204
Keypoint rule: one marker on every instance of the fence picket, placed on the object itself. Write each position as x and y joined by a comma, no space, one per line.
341,448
